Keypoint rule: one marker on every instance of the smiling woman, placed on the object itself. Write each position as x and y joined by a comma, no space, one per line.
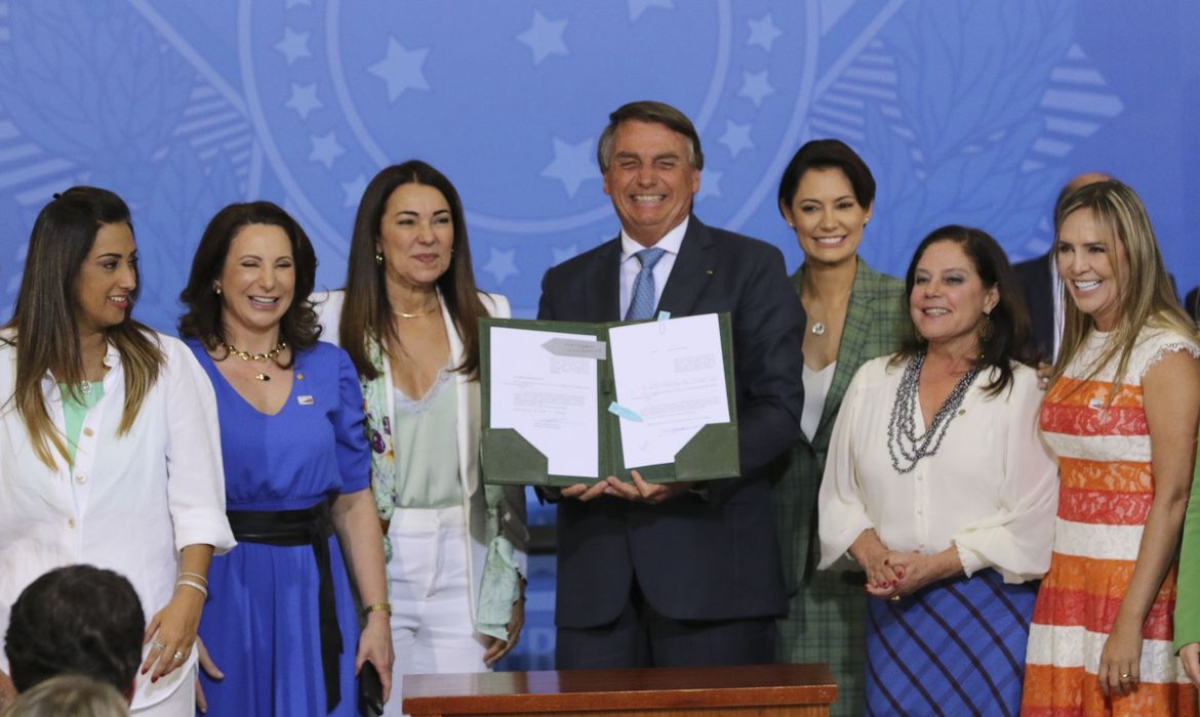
282,623
945,498
826,195
1121,414
104,419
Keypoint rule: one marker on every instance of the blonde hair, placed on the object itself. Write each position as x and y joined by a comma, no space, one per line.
1147,296
75,695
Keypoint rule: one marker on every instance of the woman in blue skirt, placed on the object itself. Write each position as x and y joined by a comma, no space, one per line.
938,486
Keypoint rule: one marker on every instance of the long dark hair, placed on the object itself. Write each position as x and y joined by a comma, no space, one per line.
44,318
366,314
1011,327
298,327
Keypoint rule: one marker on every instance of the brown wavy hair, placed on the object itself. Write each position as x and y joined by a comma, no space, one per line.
45,316
1011,327
298,327
366,313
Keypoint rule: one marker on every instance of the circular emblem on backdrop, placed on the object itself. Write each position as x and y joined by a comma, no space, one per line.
509,100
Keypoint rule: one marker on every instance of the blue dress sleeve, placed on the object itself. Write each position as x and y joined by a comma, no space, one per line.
353,452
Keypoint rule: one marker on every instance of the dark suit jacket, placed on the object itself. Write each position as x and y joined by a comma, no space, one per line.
1034,275
695,557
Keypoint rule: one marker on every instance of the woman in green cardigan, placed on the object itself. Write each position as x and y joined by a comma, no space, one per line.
1187,606
827,196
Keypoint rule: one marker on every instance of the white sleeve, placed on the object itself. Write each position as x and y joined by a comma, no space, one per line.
195,472
841,509
1017,540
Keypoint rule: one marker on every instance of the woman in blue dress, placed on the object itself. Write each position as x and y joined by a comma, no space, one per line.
281,623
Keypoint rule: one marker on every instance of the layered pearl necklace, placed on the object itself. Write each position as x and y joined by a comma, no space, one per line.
904,445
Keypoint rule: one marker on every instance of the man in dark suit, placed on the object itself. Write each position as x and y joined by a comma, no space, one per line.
678,574
1042,287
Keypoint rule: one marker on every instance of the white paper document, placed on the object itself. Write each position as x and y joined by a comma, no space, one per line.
549,399
670,374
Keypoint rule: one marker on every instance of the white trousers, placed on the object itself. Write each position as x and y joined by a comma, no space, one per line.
432,627
181,703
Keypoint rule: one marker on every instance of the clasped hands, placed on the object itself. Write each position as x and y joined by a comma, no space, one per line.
892,574
639,491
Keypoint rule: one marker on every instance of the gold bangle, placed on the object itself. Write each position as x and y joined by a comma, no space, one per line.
377,607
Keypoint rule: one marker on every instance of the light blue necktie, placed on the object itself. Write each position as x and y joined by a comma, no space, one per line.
642,305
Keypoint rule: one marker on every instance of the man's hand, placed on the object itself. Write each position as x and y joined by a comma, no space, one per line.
639,491
643,492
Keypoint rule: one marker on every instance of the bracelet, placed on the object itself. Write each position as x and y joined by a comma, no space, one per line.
198,576
377,607
192,584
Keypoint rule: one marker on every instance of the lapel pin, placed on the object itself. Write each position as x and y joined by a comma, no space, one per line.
304,400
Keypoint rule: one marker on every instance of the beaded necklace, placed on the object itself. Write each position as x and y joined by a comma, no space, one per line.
904,444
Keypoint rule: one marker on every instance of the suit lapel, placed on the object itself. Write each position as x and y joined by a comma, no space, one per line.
691,271
855,332
602,284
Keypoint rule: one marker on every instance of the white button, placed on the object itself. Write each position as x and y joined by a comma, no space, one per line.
70,522
81,479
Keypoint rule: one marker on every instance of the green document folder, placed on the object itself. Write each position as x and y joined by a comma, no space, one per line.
508,458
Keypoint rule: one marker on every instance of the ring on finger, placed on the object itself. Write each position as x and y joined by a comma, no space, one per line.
156,645
179,655
1125,677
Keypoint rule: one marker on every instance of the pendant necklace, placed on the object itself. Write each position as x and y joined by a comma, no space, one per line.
247,356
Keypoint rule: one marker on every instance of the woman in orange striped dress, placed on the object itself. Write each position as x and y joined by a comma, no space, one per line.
1122,414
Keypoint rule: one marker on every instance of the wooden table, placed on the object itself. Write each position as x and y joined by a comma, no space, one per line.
762,690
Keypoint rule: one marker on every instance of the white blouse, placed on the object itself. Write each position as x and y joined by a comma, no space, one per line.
132,501
991,489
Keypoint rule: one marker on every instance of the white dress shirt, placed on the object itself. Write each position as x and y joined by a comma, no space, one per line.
132,501
630,265
991,489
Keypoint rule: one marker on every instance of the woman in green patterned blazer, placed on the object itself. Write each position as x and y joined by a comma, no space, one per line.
827,196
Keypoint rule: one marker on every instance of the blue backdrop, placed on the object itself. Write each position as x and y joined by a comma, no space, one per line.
973,112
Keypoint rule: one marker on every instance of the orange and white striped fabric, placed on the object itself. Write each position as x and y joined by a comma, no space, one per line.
1106,489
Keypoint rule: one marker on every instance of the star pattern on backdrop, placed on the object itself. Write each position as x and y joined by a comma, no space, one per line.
354,190
304,99
544,37
763,32
293,46
562,254
325,149
710,184
755,87
573,164
637,7
401,69
501,264
736,137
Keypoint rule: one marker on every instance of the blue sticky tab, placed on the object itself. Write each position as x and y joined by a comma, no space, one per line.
618,410
664,315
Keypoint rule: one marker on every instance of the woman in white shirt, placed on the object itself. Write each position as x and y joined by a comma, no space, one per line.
109,451
409,318
938,486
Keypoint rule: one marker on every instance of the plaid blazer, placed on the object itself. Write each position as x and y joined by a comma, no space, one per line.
876,321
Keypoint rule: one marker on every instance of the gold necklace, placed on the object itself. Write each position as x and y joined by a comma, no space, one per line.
419,314
247,356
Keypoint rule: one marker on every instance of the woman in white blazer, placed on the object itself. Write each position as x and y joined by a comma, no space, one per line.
409,318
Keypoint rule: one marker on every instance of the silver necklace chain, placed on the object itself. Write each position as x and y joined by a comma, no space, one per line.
904,445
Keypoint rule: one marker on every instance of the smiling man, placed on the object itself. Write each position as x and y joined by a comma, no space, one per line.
667,575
